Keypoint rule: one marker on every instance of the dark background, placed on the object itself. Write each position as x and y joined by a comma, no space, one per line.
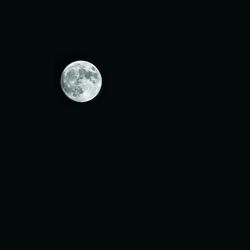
137,156
151,104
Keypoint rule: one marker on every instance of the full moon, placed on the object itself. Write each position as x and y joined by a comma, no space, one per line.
81,81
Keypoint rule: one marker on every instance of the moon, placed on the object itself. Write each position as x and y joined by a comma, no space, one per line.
81,81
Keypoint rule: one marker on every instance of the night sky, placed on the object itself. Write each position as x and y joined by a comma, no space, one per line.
146,144
148,62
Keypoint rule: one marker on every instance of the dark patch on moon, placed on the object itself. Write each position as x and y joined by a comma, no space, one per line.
77,91
83,73
88,74
71,75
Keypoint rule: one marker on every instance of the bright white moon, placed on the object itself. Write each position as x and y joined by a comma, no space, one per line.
81,81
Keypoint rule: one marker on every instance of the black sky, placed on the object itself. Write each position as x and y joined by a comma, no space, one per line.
145,55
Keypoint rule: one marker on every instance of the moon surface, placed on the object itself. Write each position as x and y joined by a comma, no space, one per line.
81,81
